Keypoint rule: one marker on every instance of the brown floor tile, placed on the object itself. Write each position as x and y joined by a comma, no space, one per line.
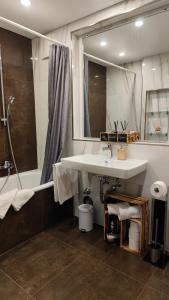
159,280
101,249
9,290
34,264
151,294
88,278
130,264
64,263
69,233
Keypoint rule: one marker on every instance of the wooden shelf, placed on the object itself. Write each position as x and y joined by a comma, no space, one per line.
124,225
127,198
126,248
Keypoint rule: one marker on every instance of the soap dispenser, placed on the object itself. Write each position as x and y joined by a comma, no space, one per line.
122,152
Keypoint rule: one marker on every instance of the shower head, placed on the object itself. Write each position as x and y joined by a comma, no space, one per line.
11,100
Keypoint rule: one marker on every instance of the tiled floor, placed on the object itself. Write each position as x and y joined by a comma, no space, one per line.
63,263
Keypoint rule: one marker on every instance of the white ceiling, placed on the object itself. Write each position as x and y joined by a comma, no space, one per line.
137,43
46,15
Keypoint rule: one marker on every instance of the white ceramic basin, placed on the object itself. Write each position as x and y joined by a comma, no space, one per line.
99,164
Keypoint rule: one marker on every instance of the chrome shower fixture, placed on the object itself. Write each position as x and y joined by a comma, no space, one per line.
11,99
6,165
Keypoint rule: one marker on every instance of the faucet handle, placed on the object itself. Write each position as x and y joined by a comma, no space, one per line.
6,165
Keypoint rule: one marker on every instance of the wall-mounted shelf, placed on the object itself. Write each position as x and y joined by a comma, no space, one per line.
157,114
153,113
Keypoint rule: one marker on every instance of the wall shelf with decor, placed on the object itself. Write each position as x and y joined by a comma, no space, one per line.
157,115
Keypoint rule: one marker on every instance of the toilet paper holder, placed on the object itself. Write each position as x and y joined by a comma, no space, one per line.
157,253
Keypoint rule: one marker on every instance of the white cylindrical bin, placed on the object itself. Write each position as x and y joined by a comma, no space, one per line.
86,217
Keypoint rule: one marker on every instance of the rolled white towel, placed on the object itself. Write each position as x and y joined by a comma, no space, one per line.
21,198
129,212
6,199
113,208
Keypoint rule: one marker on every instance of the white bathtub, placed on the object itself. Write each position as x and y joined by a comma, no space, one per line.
29,180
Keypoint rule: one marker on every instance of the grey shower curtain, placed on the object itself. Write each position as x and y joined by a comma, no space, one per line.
58,98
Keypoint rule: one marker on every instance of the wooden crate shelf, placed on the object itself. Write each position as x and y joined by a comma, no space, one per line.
143,221
126,248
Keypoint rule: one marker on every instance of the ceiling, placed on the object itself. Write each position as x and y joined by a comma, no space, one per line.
150,39
46,15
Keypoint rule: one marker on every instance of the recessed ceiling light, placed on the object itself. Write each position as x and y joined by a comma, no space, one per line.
139,23
96,76
122,54
153,69
103,43
26,3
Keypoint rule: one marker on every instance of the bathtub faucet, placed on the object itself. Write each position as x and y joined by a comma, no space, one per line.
6,165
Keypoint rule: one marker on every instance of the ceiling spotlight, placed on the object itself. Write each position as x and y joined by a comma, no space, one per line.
122,54
153,69
143,64
139,23
26,3
103,43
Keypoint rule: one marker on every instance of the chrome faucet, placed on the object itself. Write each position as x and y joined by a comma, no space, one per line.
109,147
6,165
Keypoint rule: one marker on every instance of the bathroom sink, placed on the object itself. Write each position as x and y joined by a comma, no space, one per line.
99,164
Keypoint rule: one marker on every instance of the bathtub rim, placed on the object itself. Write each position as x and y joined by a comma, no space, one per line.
37,188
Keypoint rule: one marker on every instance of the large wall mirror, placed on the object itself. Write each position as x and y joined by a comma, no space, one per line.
121,73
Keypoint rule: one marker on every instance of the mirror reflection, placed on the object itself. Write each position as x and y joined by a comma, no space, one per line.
126,78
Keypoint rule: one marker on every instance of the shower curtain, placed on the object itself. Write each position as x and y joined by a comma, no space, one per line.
58,102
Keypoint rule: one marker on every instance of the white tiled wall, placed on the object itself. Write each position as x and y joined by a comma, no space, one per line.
157,156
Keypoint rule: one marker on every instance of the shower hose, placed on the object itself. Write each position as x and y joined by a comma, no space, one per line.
12,153
11,147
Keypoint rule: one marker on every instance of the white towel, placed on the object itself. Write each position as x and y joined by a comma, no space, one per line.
6,200
65,183
21,198
129,212
113,208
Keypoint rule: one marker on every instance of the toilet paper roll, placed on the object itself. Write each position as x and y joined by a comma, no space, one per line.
159,190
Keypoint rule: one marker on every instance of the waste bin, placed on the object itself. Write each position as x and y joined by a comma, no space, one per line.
86,217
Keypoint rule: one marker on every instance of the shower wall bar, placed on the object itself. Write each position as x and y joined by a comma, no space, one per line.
33,32
3,119
106,62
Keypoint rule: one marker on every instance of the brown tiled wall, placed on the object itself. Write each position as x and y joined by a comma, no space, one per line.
38,213
97,98
18,82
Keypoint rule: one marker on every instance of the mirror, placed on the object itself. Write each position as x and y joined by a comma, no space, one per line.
123,79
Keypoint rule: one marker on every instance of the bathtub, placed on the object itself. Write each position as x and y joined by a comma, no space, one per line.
29,180
39,213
